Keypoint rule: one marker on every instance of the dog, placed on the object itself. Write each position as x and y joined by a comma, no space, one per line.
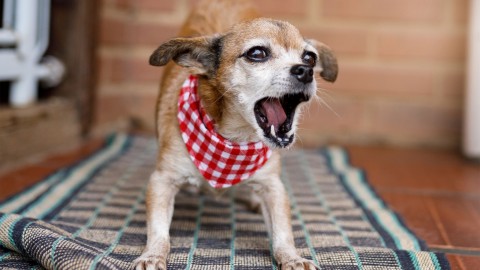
229,102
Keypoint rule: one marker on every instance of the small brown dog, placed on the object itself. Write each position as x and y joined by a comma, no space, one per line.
224,111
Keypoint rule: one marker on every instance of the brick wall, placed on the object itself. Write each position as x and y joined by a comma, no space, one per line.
401,66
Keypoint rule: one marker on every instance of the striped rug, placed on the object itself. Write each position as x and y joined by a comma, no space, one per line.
91,215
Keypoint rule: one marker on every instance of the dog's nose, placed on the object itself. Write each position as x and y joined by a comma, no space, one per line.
303,73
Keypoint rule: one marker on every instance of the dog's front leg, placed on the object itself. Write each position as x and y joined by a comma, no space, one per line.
159,204
276,211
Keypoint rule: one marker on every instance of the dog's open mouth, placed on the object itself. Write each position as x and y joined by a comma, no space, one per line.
275,117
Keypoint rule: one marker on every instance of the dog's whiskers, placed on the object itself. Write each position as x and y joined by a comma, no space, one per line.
221,96
322,101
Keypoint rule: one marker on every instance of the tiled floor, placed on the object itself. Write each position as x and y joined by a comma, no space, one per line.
436,192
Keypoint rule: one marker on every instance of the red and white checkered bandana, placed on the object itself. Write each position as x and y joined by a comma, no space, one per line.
221,162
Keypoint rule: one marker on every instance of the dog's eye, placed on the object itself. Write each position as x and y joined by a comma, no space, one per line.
257,54
309,58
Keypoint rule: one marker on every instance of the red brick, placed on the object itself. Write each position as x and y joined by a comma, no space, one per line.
104,68
273,8
421,45
345,121
343,41
118,70
384,80
383,64
452,85
286,8
143,72
343,115
152,34
460,12
389,10
111,108
420,123
136,5
163,5
115,32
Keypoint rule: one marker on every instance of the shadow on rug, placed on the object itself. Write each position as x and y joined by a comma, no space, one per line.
92,216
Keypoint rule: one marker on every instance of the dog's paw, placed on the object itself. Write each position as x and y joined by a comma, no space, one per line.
150,262
298,264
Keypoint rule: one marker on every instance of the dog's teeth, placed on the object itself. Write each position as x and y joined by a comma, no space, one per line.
272,131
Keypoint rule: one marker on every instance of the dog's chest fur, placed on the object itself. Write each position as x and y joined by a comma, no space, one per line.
172,152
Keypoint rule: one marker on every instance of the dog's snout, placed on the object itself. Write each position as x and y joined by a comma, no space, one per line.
303,73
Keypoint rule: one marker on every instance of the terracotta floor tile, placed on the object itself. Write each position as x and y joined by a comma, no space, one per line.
459,219
418,171
461,262
415,212
470,262
17,180
455,262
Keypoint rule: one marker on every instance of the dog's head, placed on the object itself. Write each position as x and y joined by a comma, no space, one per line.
264,68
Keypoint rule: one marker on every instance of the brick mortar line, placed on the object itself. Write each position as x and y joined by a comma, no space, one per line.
169,18
129,53
125,89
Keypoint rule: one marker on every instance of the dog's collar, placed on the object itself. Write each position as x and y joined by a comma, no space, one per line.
221,162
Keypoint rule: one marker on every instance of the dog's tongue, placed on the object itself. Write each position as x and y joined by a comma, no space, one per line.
274,112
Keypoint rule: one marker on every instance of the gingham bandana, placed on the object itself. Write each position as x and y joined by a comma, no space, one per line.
221,162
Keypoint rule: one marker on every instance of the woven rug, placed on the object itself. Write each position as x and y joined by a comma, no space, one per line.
91,215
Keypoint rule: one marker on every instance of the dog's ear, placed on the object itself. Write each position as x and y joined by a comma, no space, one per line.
327,61
199,54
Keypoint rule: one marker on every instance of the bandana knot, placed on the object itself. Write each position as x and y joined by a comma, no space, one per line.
222,163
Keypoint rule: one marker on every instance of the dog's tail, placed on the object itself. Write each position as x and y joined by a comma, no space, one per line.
209,17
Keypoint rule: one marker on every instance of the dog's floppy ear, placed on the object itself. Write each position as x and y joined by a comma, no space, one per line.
199,54
327,61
